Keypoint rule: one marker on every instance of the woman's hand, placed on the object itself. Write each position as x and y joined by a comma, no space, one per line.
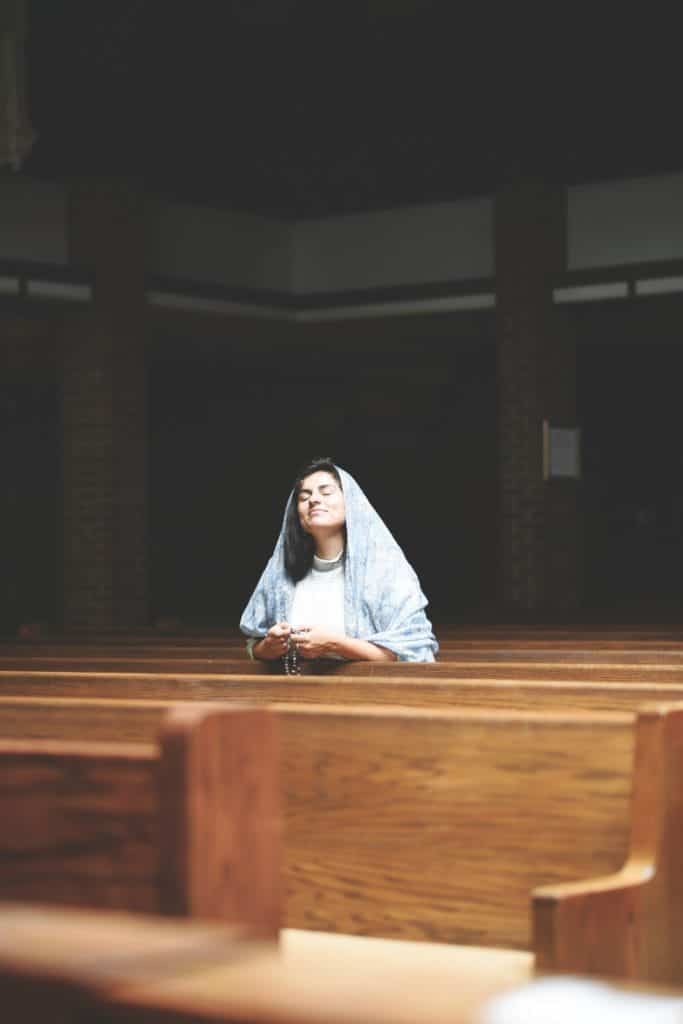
316,642
274,644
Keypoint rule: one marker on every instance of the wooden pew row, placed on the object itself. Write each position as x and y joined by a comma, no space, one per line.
631,656
572,671
354,770
552,634
81,968
358,861
438,825
99,968
447,631
200,661
183,822
236,646
420,692
451,639
591,672
66,966
396,986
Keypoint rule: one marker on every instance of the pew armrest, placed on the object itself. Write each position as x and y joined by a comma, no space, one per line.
592,926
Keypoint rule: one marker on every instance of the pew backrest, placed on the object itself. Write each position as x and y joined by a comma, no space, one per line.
184,823
424,824
568,671
420,692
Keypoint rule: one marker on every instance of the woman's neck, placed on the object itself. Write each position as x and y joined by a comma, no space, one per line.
329,547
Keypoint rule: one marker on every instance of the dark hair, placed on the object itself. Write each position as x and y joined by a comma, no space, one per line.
299,545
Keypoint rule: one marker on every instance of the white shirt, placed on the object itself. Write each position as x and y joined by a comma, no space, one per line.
319,596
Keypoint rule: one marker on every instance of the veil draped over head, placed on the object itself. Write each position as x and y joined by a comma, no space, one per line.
383,601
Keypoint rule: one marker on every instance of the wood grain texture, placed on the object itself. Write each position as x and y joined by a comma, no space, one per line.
186,826
82,825
545,671
233,658
397,822
614,672
221,817
264,690
629,924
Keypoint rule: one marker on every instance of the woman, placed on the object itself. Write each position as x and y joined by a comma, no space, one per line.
337,584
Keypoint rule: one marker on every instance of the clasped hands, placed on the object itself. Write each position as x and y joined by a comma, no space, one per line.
310,641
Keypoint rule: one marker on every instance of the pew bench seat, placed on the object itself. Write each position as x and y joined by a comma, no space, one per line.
100,968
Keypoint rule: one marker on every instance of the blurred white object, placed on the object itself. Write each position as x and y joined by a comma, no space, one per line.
568,1000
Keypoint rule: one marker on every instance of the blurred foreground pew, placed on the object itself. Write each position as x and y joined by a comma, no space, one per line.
186,823
438,825
100,968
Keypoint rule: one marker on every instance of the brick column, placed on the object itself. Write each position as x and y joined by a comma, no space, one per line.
104,416
536,380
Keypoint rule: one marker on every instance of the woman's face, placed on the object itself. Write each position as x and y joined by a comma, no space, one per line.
320,503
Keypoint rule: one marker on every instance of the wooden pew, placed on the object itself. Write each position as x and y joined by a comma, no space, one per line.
381,868
644,899
574,654
511,664
185,824
448,629
568,672
582,650
454,642
81,968
437,826
419,692
65,965
100,968
70,646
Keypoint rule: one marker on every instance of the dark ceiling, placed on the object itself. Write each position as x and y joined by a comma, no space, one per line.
304,108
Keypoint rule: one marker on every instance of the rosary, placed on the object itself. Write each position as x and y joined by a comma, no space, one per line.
290,658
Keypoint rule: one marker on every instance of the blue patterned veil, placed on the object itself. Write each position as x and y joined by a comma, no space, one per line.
383,600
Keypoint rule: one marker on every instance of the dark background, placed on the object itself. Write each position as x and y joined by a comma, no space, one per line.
295,109
410,411
300,108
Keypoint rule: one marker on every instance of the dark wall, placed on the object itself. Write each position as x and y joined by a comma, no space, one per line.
407,406
30,482
630,368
